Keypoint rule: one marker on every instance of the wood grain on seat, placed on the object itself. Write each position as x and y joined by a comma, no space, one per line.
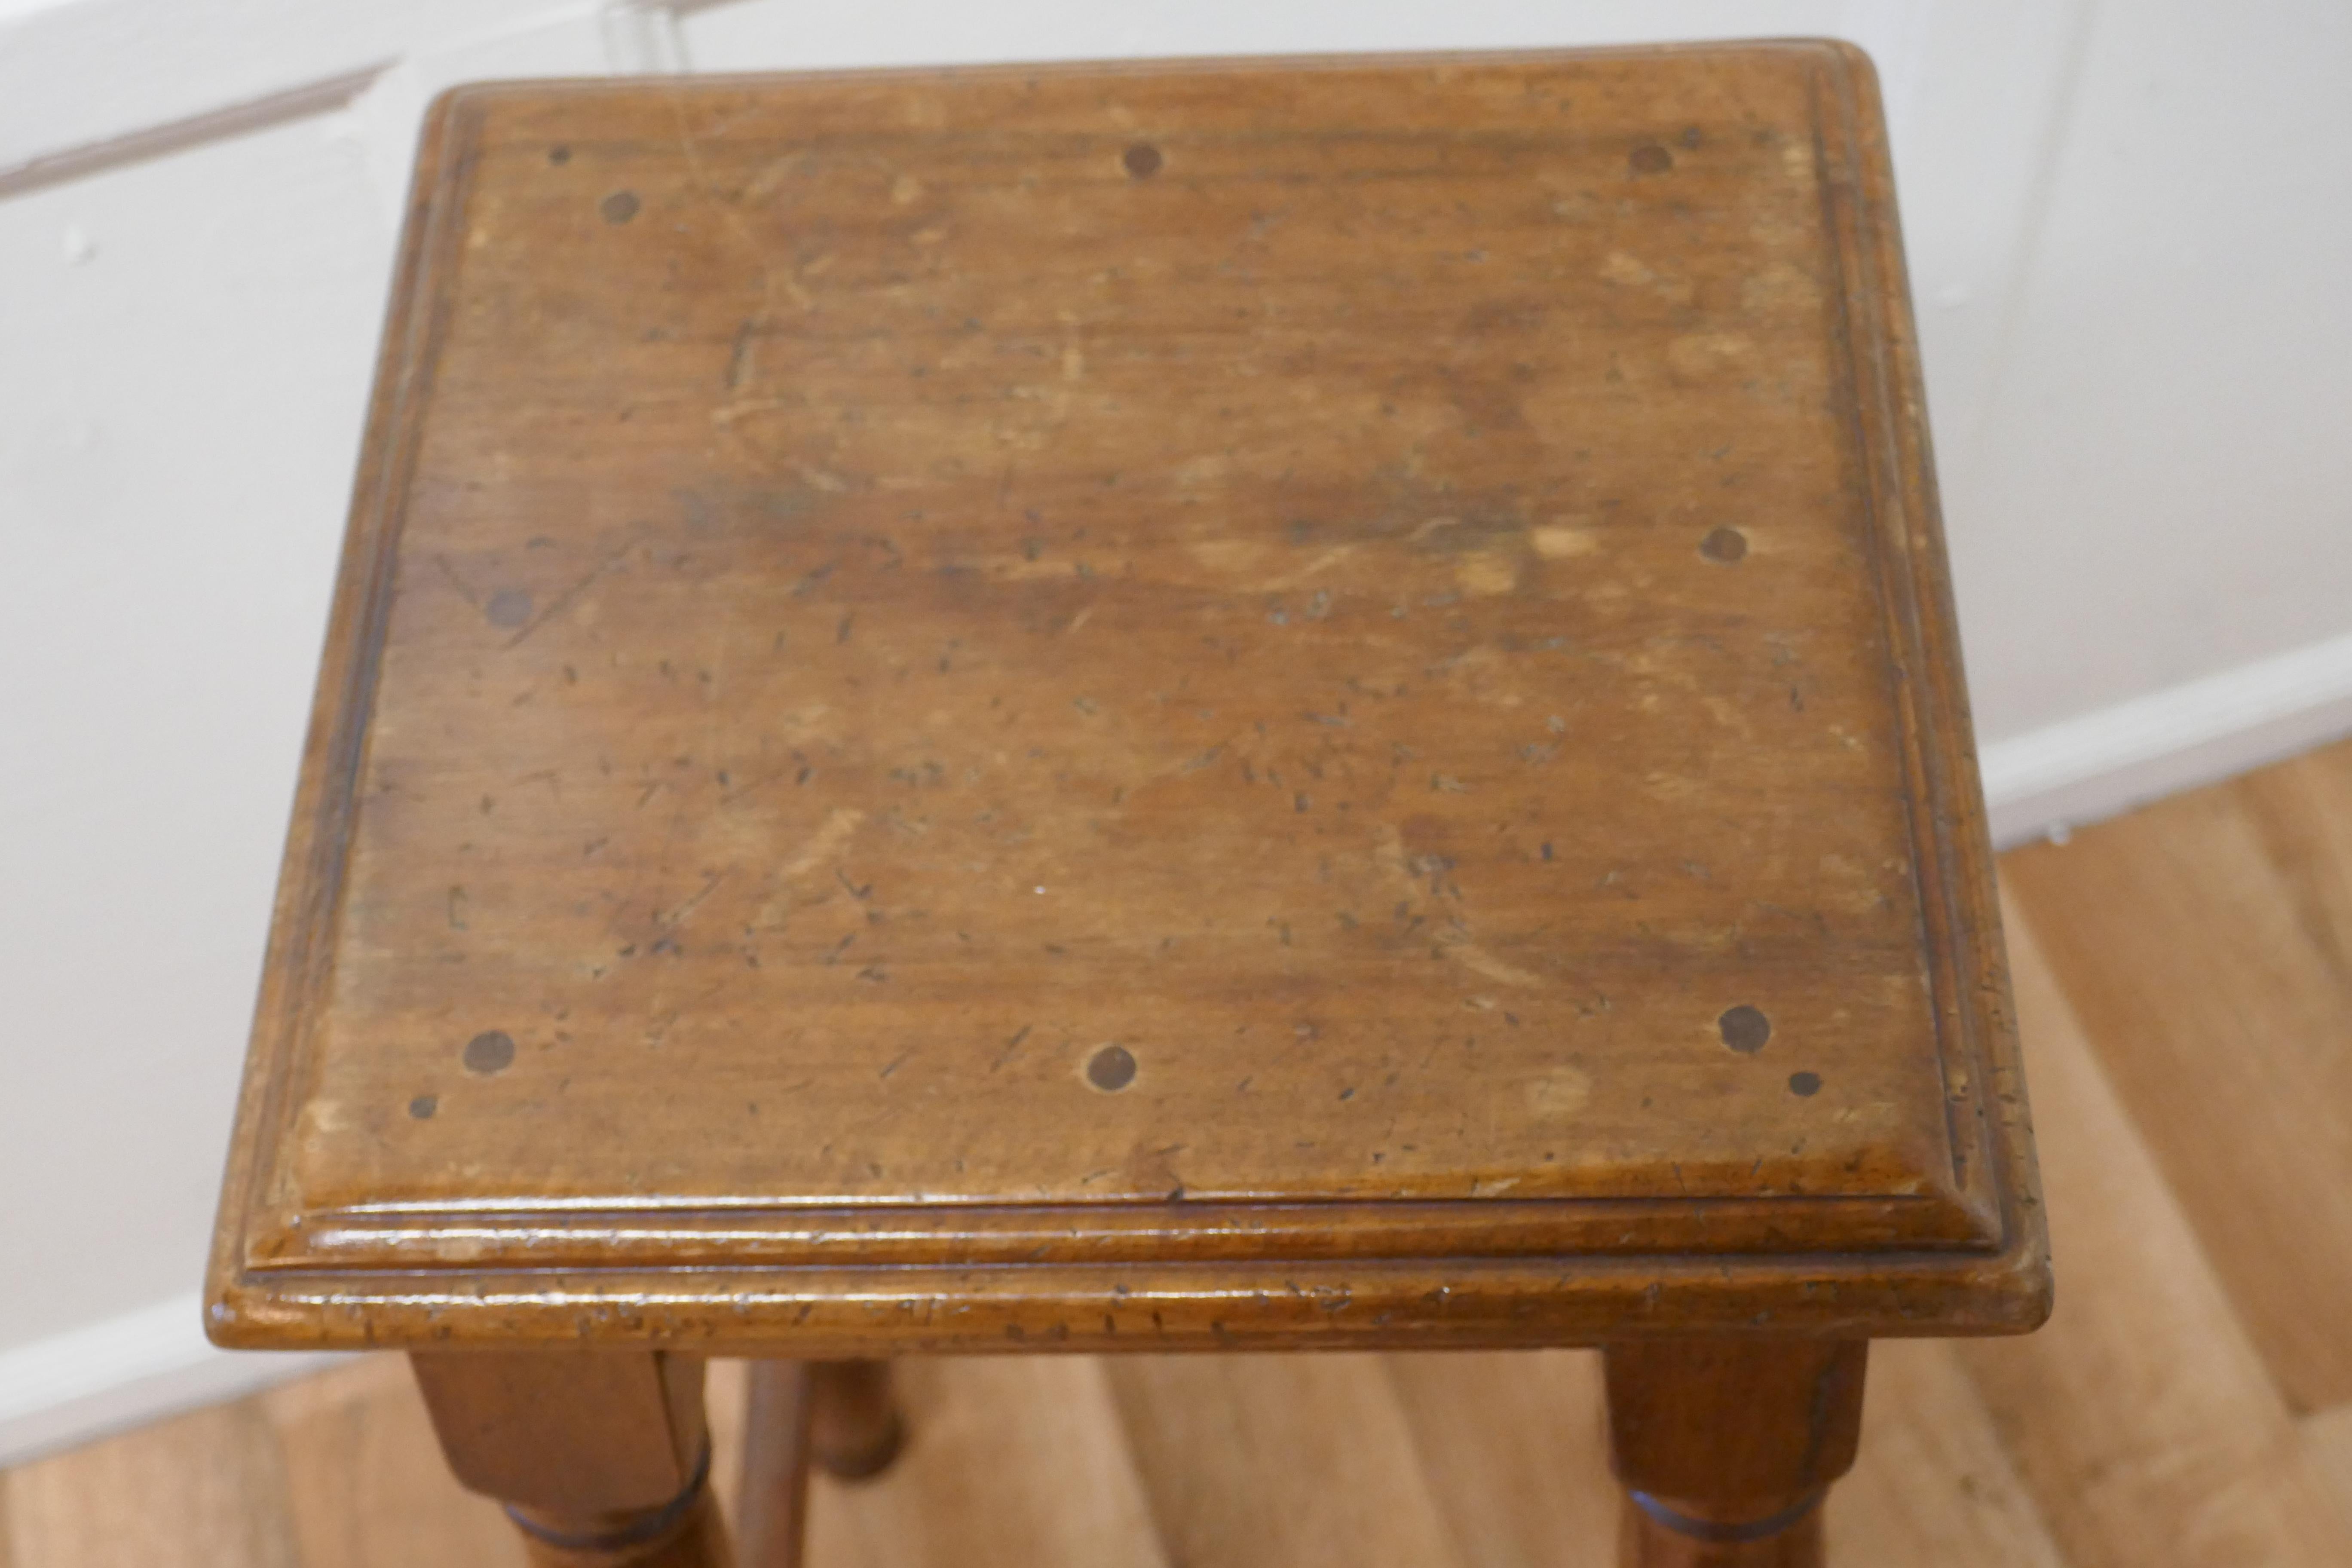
1148,705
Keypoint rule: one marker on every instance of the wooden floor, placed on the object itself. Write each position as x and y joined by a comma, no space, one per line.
2184,977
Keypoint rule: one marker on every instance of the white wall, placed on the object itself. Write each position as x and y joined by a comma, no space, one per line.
2162,485
2128,223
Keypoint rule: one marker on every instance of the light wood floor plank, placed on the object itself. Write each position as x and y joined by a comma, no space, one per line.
1515,1451
204,1491
2303,808
1279,1461
2328,1435
2206,944
1013,1462
365,1483
1933,1487
1515,1455
2142,1419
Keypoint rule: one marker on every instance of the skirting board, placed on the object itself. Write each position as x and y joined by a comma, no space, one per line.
2099,763
120,1372
72,1387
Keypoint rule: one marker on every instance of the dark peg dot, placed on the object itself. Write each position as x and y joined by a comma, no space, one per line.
619,207
1110,1069
1744,1029
1651,159
1142,160
1724,544
508,607
1690,136
490,1051
1805,1084
423,1107
559,154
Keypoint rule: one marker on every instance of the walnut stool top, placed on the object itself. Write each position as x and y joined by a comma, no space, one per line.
1246,703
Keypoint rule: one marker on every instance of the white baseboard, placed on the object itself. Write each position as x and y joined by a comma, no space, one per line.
122,1371
2080,770
118,1372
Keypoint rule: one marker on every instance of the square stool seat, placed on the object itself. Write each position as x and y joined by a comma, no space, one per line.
1239,705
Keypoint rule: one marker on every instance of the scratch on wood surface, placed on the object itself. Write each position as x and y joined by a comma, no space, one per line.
775,279
1455,943
563,601
1256,559
831,836
678,917
743,408
464,591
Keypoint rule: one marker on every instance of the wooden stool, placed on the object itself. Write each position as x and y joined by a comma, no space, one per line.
1221,706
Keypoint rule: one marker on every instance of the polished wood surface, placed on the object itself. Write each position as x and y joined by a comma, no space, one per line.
1292,703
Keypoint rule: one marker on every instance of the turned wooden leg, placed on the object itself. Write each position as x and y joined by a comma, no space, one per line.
855,1427
1727,1445
774,1512
600,1456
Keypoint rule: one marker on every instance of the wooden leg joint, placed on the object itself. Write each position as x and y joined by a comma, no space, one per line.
1727,1447
602,1459
1725,1533
619,1531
